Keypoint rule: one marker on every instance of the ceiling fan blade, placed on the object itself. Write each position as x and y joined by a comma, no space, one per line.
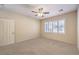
42,15
36,15
40,9
34,11
45,12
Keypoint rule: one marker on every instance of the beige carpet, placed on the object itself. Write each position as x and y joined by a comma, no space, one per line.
39,47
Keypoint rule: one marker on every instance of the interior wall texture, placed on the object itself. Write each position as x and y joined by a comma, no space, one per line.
28,28
25,27
70,35
78,28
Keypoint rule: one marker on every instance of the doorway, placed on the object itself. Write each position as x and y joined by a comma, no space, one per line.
7,31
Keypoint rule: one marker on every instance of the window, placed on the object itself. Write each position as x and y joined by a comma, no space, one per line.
50,26
61,26
56,26
46,26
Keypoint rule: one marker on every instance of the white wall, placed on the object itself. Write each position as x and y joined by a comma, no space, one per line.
26,27
70,35
78,28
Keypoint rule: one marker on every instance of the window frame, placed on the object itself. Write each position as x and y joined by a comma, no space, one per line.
47,26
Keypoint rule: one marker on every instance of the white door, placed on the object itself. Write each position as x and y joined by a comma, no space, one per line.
7,32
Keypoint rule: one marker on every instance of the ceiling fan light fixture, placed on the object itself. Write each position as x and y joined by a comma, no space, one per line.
40,14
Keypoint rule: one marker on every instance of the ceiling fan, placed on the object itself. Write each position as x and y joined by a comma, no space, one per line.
40,12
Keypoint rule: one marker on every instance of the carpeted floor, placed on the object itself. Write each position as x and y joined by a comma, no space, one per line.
39,47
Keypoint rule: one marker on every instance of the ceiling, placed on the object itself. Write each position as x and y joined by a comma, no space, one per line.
26,9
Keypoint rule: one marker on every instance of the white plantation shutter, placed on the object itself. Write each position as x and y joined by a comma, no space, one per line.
56,26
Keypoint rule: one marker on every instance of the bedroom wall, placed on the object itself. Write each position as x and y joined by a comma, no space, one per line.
25,27
78,28
70,35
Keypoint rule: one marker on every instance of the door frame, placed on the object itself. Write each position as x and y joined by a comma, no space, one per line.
14,27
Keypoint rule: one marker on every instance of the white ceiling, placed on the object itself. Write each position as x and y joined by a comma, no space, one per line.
26,9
